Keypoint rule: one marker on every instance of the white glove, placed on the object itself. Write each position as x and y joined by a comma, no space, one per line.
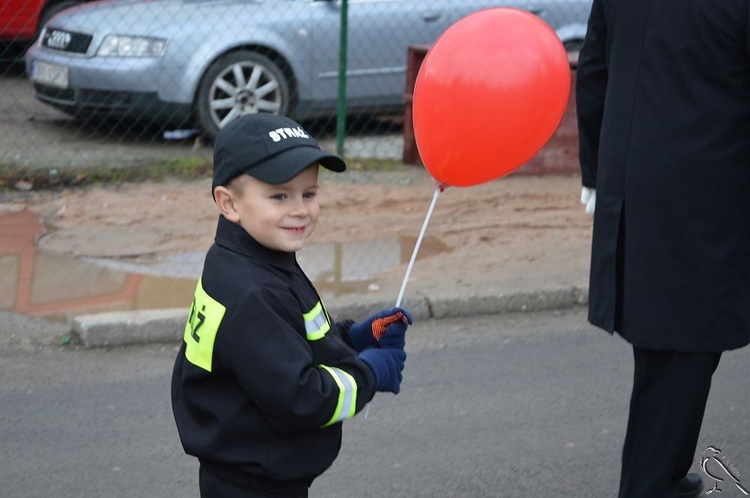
588,198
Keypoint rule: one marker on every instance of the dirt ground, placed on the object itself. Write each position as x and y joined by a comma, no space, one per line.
509,229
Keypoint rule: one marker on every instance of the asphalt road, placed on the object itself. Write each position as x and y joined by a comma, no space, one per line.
494,406
35,136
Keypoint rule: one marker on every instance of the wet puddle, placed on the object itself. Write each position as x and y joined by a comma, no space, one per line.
60,287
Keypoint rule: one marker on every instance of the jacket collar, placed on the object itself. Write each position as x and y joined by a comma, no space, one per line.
233,237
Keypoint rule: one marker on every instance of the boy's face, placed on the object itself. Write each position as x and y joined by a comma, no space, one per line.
280,217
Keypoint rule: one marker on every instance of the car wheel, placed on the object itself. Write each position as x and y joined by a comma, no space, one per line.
240,83
573,46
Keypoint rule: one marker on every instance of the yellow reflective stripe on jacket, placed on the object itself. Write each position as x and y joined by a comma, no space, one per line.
347,404
206,315
316,323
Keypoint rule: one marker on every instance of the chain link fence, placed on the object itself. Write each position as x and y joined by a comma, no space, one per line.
120,83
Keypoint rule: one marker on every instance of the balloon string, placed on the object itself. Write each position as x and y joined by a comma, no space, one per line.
419,243
440,188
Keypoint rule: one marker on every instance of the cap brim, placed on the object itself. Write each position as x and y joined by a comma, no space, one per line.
286,165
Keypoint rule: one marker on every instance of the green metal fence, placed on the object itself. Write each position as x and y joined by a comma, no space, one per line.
125,83
160,71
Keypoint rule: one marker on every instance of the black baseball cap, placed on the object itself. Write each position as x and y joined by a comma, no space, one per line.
272,148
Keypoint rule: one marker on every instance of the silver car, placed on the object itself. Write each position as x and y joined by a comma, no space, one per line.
205,62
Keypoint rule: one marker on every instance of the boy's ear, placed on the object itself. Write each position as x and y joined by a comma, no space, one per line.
225,201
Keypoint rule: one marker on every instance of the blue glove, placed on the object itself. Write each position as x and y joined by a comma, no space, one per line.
385,329
387,365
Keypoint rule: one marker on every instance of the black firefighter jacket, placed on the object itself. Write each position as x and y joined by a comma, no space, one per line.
663,100
263,378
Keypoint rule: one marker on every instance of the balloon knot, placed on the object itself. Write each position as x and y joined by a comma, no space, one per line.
439,185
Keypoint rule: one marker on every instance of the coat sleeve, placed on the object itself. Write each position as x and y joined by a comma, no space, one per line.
266,349
591,86
344,326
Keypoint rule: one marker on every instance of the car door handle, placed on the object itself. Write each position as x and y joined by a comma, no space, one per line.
431,15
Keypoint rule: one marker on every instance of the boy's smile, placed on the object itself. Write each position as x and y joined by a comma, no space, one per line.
281,217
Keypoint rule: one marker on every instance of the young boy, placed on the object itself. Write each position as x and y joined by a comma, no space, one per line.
264,378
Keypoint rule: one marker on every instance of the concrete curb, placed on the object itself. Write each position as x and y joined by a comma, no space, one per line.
130,327
167,326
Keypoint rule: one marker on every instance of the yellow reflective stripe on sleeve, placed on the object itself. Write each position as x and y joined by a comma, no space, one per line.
347,403
316,323
206,315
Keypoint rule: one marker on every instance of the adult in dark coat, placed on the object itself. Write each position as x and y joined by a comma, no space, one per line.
663,100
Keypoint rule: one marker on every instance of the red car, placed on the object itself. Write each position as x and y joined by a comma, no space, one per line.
21,20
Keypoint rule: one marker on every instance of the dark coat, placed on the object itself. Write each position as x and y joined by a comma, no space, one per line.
263,379
663,97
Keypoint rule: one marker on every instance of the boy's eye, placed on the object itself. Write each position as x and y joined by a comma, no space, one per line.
310,195
278,197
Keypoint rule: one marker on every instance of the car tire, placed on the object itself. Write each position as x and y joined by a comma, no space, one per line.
221,98
573,46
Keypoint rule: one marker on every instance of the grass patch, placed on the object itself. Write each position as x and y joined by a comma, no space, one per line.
24,179
14,178
359,164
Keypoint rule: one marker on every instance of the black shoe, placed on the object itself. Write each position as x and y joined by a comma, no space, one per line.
690,485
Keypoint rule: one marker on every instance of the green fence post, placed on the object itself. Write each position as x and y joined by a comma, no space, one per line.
341,108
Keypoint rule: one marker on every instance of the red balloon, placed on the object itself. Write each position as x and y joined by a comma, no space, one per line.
490,93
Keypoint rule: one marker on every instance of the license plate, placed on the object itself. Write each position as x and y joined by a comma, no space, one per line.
49,74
